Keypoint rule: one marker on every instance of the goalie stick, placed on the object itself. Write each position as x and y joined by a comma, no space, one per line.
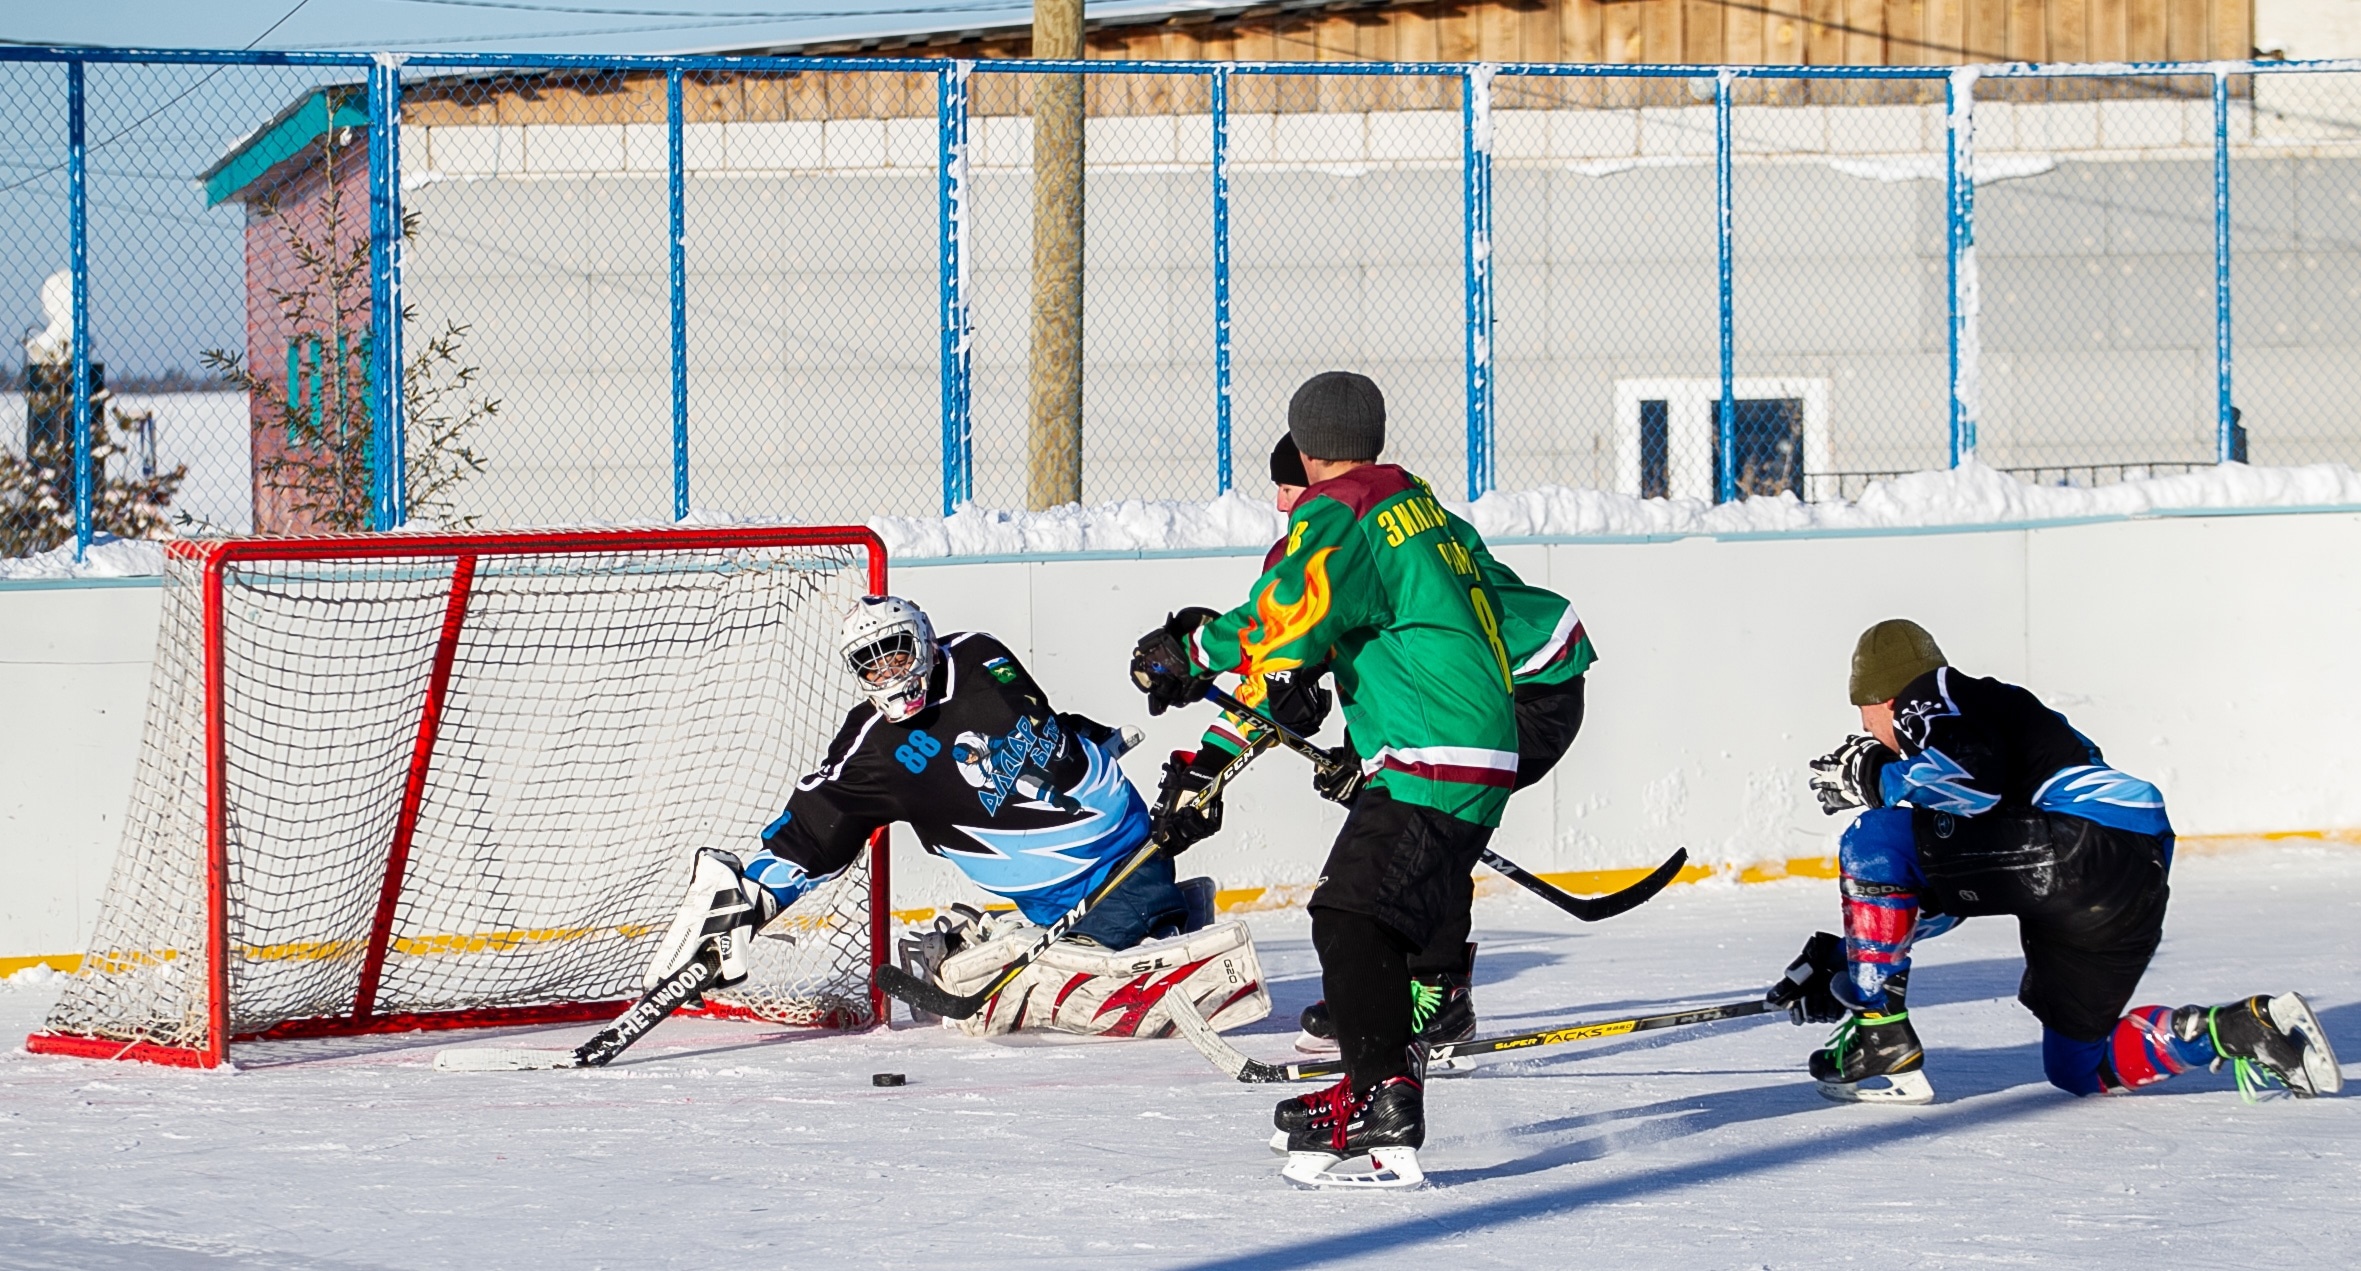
1586,908
934,999
1245,1068
636,1021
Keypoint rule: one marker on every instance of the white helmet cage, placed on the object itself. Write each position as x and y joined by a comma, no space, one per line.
890,648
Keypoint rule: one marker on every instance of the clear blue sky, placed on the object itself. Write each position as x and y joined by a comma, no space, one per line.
572,26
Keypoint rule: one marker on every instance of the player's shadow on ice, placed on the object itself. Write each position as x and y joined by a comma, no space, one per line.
1825,1141
1960,1073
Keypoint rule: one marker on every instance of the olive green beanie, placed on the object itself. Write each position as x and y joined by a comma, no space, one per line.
1888,657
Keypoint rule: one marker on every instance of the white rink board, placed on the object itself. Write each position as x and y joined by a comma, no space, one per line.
2206,653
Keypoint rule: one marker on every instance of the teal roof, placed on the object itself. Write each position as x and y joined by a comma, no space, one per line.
319,111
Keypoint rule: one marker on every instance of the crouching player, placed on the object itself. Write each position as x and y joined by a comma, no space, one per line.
956,740
1982,801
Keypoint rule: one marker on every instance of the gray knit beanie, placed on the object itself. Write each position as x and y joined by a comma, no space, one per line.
1336,416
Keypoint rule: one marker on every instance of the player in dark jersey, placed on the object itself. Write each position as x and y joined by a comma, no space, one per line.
956,740
1982,801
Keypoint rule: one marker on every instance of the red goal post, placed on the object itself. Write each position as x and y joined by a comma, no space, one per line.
456,780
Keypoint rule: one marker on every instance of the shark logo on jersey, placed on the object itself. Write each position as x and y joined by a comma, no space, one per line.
1936,782
1110,818
1017,762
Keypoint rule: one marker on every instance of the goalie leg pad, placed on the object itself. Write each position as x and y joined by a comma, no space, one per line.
1079,988
722,907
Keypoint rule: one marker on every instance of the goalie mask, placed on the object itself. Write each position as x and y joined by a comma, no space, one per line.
890,647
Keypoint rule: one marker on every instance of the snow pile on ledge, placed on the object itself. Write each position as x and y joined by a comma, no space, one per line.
1233,520
109,557
1971,494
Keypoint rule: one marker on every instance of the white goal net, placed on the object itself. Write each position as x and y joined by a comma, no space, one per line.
404,781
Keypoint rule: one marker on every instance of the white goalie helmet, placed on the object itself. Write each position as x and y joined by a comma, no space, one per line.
890,648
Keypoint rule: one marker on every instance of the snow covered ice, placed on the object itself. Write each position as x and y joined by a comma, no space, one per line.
736,1145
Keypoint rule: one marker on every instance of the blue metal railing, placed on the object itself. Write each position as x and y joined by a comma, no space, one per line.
1477,81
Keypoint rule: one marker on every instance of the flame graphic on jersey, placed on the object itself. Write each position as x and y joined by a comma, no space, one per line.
1277,625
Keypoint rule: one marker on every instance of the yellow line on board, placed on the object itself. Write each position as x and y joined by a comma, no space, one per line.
66,962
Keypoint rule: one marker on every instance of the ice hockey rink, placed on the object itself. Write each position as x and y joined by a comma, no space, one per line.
745,1145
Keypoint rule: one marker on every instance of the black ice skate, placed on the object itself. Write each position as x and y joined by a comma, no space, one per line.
2266,1040
1365,1141
1873,1057
1442,1009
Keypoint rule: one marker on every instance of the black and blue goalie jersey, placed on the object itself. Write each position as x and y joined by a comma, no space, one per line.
1972,746
1026,801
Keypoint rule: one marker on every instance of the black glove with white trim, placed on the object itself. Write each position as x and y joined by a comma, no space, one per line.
1847,777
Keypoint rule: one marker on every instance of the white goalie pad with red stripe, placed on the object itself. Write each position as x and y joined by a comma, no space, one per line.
1079,988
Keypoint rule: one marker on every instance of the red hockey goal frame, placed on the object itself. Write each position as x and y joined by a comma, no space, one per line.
214,557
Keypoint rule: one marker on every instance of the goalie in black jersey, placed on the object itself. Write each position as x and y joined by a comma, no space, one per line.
1982,801
956,740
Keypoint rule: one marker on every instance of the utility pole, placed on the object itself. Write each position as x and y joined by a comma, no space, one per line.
1054,443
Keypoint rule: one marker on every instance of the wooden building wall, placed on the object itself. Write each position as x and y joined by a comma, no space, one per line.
1614,32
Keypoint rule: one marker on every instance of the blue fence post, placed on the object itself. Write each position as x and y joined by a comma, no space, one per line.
78,264
676,202
388,480
2226,447
1725,425
1475,108
958,337
1963,303
1221,278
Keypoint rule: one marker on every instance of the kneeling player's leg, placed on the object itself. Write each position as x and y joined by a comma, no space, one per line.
1147,904
1880,882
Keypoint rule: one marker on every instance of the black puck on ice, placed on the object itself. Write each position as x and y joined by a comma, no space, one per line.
887,1079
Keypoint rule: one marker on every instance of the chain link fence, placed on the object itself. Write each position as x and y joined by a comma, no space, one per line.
641,289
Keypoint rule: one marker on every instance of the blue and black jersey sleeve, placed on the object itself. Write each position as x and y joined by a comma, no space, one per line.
835,809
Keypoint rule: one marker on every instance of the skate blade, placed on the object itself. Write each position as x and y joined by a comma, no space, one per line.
2294,1015
1382,1169
1306,1044
1910,1087
502,1059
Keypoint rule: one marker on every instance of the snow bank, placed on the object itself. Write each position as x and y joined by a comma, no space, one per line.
1971,494
1233,520
109,557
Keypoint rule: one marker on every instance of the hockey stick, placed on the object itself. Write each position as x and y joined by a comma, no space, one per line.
1238,1064
637,1021
937,1000
1586,908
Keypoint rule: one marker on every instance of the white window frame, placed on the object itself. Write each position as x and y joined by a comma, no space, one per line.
1689,405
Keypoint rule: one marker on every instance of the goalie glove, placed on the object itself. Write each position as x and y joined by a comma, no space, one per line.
1808,989
1178,820
1847,777
723,908
1160,663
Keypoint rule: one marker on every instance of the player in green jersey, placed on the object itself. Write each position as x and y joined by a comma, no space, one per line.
1375,581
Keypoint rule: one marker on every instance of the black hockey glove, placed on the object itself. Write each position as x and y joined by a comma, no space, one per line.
1339,781
1297,698
1178,821
1847,777
1160,663
1807,989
